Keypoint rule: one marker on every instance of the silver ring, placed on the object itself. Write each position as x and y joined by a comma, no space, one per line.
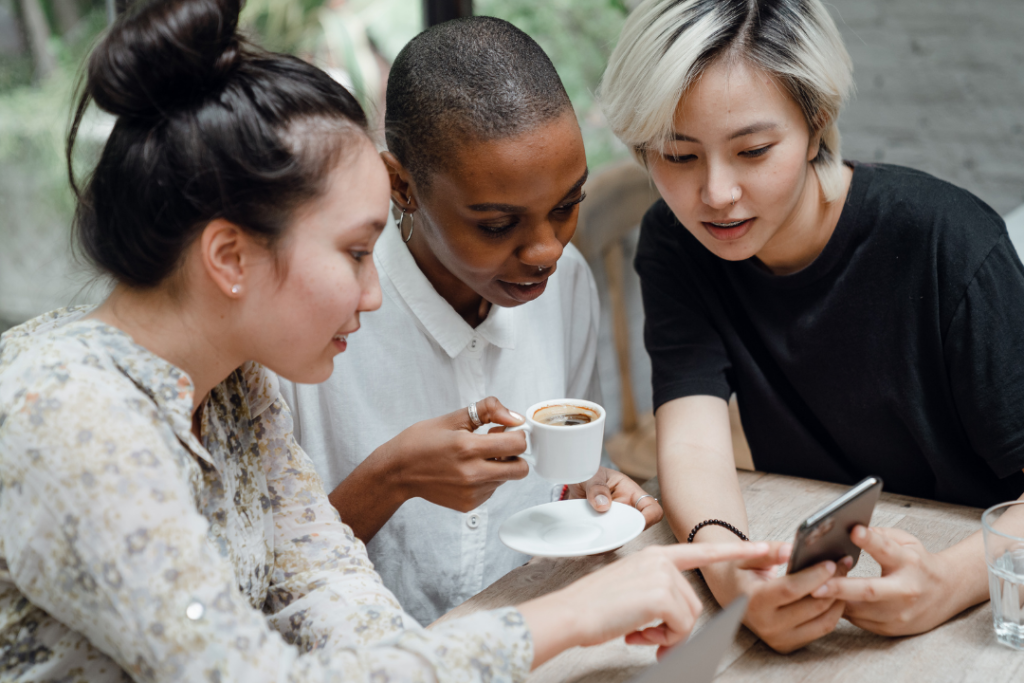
474,416
646,495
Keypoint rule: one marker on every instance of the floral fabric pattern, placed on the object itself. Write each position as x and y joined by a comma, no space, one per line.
130,550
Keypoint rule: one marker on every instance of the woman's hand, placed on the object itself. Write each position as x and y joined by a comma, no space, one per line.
440,460
608,485
915,593
782,610
627,596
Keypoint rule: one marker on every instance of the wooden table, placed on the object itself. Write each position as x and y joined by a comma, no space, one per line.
963,649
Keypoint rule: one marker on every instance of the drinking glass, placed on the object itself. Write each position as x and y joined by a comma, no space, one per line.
1003,529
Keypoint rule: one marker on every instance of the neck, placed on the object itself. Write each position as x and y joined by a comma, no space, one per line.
470,306
183,334
802,238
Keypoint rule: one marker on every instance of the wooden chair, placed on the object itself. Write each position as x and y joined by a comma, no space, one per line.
617,198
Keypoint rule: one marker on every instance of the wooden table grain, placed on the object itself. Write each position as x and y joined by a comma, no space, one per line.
964,649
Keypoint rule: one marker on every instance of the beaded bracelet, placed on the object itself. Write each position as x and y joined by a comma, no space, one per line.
716,522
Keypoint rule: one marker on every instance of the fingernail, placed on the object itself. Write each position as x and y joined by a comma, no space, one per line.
601,499
821,591
517,416
785,551
848,562
761,547
830,566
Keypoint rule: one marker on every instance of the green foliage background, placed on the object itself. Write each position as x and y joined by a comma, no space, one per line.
35,198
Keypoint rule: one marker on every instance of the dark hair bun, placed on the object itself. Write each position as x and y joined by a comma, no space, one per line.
164,55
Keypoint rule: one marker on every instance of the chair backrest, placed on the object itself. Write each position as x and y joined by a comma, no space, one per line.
617,199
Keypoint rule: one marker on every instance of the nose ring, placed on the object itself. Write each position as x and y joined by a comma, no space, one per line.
734,196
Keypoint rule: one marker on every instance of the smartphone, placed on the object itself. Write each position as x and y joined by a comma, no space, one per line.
825,535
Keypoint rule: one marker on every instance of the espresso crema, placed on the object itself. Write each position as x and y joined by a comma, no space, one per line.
565,415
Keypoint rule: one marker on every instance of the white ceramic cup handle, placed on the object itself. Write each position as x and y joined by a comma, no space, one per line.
525,429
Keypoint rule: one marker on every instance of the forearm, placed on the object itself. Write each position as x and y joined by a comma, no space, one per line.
967,575
552,626
368,497
967,572
698,476
698,493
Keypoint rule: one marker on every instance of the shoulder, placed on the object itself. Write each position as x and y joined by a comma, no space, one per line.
658,216
941,226
662,235
64,399
39,357
927,205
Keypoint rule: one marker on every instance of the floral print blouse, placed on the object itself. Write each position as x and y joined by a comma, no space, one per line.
130,550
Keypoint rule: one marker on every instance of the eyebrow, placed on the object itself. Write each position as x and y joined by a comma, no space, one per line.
513,208
748,130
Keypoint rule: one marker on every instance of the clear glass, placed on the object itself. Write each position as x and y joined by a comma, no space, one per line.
1003,529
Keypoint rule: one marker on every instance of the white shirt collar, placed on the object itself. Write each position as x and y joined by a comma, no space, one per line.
435,314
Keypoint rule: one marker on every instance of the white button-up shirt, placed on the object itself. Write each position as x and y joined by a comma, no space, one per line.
417,359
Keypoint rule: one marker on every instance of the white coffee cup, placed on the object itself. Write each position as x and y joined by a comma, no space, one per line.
564,454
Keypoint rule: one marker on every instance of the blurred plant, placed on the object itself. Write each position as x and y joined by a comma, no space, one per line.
353,40
36,204
282,25
579,36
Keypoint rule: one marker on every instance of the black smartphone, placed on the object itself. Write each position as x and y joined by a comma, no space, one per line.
825,535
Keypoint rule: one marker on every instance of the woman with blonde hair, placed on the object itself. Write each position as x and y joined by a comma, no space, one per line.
865,315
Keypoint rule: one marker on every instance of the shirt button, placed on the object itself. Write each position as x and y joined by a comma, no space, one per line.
194,611
473,521
473,344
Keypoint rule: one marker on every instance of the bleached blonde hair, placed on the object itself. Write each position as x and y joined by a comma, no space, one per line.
667,44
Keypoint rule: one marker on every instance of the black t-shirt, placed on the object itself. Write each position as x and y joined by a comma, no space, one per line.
899,352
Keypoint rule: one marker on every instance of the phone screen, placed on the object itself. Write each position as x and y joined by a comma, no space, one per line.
825,535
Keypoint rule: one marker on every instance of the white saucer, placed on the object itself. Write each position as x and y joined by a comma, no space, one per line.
570,528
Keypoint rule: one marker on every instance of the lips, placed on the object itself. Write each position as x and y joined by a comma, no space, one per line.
524,291
340,341
726,231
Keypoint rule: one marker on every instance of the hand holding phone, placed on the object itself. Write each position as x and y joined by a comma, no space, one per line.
825,535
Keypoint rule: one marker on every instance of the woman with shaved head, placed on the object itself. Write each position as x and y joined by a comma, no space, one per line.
483,296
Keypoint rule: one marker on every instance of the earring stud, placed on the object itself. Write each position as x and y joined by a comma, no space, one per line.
235,289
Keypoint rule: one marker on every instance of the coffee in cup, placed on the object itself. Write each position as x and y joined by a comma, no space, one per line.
565,415
564,438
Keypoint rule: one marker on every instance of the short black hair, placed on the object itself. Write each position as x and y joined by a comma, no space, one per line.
478,78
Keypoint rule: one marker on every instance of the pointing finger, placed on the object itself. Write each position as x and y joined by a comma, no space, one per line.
693,555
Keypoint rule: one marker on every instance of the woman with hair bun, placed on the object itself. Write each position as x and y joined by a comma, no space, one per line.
867,316
159,521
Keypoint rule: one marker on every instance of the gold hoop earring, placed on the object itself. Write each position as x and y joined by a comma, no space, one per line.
412,225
